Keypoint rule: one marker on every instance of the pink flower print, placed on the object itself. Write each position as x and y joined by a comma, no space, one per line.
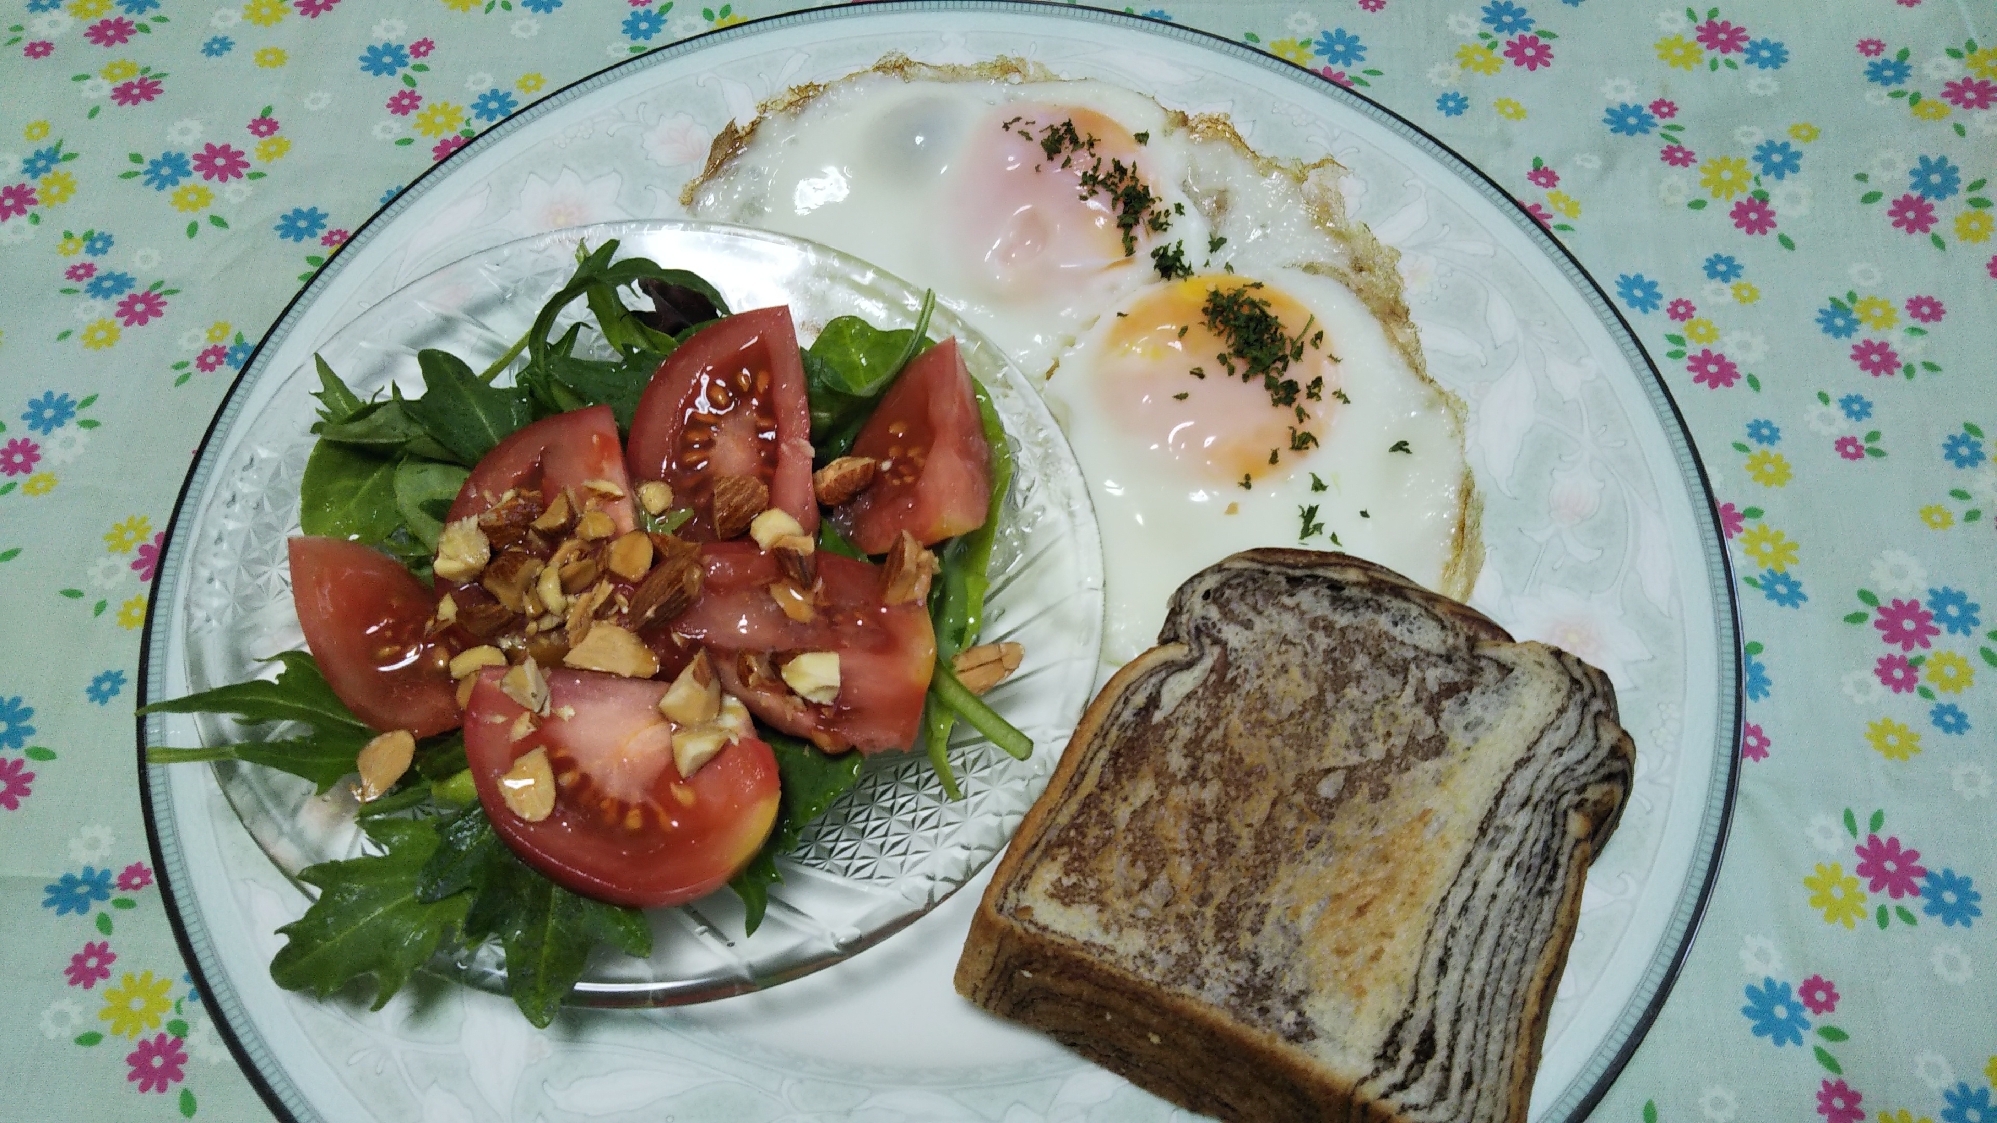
1752,216
1721,37
138,875
40,48
1677,155
1372,5
1753,742
1912,213
1544,177
1875,357
1664,108
14,782
1905,623
18,457
1926,309
404,102
145,565
1871,48
447,146
1710,368
421,47
16,199
1888,867
138,91
221,162
1732,522
1819,994
1540,212
1338,76
1990,267
313,9
1970,93
210,358
1893,671
90,966
156,1064
262,126
1838,1102
112,32
1681,310
333,238
140,308
81,271
1529,51
1851,448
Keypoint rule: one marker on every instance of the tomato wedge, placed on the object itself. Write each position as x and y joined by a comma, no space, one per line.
626,827
564,451
729,402
366,620
935,475
886,652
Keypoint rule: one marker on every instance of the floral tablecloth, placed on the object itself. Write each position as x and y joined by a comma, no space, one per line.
1791,202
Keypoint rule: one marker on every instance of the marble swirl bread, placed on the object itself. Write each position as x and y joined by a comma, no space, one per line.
1317,855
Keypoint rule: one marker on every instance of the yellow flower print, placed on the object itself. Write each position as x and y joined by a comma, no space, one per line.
70,246
56,187
273,148
1701,330
36,130
89,9
1769,548
439,117
1680,52
270,58
132,613
41,483
1878,314
1902,1116
265,13
1990,1070
99,334
1508,109
1836,894
218,332
1937,517
1804,131
123,537
461,5
1893,740
1479,58
1983,64
1725,176
530,82
1948,672
1567,206
1930,109
137,1003
191,197
1292,50
726,20
119,71
1769,468
1745,292
1974,226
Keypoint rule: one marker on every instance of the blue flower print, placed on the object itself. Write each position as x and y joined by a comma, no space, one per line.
217,46
104,286
1763,431
494,104
1766,54
49,412
1629,120
1933,177
1639,292
105,686
1452,104
1962,450
384,60
1758,683
76,893
1340,47
1887,71
1952,897
1506,18
167,169
1837,321
1775,1012
1778,159
1856,407
1724,268
1949,718
44,5
137,7
41,162
1783,589
540,7
1158,14
643,24
1968,1105
389,195
1954,611
98,244
300,223
238,355
14,727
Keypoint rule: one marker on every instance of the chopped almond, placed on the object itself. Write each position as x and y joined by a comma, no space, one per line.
447,609
982,667
525,684
556,517
508,577
672,585
797,602
579,575
382,761
695,746
465,687
594,526
655,496
734,719
695,696
814,675
772,526
528,788
612,650
523,726
737,501
462,551
467,662
797,556
906,573
548,590
630,556
605,487
838,482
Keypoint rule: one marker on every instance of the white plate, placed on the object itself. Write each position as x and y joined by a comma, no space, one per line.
1599,532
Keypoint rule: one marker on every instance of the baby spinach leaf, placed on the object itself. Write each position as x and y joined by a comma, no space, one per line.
300,693
336,402
848,367
810,780
424,491
348,493
462,413
367,920
681,301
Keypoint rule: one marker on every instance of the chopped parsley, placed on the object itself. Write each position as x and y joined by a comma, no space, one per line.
1340,395
1316,484
1141,138
1247,484
1401,446
1301,439
1134,203
1364,515
1170,261
1257,345
1214,242
1311,525
1272,456
1180,396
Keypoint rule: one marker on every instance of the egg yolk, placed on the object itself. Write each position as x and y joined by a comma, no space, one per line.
1038,197
1163,376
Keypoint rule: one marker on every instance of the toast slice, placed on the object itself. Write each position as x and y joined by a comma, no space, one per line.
1317,855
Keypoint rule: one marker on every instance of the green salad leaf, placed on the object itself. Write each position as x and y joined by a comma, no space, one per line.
809,780
336,402
424,491
299,693
547,932
348,493
847,369
461,412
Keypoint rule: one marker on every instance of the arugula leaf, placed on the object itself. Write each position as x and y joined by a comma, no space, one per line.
300,693
560,382
460,412
382,427
810,781
324,757
347,493
336,402
424,491
442,756
465,843
367,920
547,932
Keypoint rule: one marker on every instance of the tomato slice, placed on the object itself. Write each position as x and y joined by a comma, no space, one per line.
366,621
729,402
626,827
935,476
564,451
886,652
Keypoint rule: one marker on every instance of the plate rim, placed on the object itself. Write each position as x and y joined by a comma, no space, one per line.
1732,704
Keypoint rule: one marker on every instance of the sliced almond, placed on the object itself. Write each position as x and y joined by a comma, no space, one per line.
737,501
608,488
772,525
814,676
579,574
523,726
655,496
672,585
841,480
594,526
582,611
796,601
467,662
695,746
528,788
694,698
612,650
556,517
630,556
462,551
525,684
382,761
982,667
508,577
906,573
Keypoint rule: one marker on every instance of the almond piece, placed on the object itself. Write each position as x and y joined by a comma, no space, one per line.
796,601
467,662
838,482
605,488
382,761
462,551
548,589
694,698
737,501
906,573
594,526
772,526
579,574
525,684
655,496
982,667
523,726
696,746
612,650
556,517
734,719
814,675
630,556
797,557
672,585
465,687
508,576
447,609
528,788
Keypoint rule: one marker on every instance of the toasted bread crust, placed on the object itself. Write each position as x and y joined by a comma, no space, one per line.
1447,1004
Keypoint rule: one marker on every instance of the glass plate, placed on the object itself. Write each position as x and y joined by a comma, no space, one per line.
1599,532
